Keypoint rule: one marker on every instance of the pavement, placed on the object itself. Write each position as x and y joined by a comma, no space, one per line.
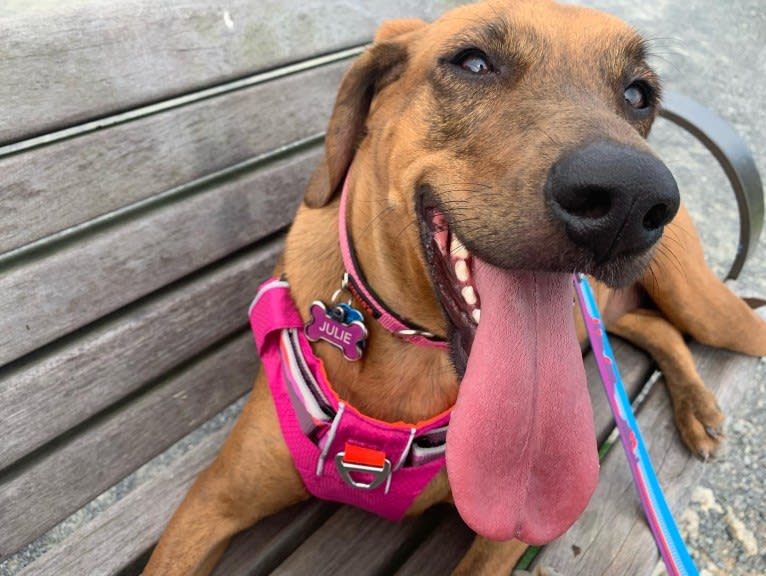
714,52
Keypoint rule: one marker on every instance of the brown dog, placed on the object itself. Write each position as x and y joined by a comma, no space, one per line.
517,128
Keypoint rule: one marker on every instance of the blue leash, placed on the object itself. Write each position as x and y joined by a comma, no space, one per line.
672,547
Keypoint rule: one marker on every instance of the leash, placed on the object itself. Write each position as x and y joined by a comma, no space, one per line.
666,534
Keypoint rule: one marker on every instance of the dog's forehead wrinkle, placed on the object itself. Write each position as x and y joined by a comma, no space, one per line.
528,33
623,57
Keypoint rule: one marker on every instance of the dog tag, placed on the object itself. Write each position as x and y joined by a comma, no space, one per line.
343,327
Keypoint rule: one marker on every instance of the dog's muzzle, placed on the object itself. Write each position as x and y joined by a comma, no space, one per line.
613,200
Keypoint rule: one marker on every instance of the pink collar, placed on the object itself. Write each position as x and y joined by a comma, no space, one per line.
357,284
341,454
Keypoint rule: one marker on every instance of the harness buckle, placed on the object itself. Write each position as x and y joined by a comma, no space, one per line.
363,460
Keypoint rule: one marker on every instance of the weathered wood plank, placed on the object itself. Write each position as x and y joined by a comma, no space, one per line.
125,352
82,281
137,521
68,61
66,183
42,492
442,549
359,543
612,536
260,549
130,527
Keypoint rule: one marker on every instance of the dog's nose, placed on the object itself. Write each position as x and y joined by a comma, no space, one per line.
613,199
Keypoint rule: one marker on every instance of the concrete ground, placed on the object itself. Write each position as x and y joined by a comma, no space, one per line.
714,52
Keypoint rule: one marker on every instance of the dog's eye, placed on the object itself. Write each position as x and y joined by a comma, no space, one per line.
637,96
473,61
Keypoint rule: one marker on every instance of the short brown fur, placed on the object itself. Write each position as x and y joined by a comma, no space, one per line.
406,121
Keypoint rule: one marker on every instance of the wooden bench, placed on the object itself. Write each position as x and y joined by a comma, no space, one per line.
151,158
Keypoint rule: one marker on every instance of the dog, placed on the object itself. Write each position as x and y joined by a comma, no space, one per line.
471,166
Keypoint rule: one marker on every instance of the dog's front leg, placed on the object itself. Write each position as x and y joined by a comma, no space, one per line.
698,418
251,478
487,557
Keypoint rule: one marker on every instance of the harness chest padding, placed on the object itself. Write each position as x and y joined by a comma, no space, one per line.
277,327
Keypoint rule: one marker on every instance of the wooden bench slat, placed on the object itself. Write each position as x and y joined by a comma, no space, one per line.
67,183
135,522
263,547
125,352
612,535
357,542
126,54
78,283
442,549
59,481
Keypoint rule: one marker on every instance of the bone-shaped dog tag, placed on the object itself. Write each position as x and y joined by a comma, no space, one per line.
340,327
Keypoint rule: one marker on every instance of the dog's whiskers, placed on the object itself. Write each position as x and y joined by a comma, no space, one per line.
673,259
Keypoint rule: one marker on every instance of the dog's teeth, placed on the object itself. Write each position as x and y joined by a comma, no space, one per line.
457,249
476,315
469,295
461,271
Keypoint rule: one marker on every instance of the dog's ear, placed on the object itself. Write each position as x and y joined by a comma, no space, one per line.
377,66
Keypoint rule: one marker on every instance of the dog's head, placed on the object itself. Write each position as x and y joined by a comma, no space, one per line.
511,135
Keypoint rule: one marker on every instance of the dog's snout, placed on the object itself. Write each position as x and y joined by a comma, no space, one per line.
613,199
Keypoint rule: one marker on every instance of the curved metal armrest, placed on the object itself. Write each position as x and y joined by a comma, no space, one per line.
736,160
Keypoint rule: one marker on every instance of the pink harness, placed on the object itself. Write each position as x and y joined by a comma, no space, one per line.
341,454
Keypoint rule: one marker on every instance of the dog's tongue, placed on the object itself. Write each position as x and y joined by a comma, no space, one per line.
521,448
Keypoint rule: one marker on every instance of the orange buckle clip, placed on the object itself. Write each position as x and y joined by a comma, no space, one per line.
356,458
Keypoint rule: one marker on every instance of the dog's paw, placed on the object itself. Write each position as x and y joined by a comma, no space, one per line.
699,421
538,571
